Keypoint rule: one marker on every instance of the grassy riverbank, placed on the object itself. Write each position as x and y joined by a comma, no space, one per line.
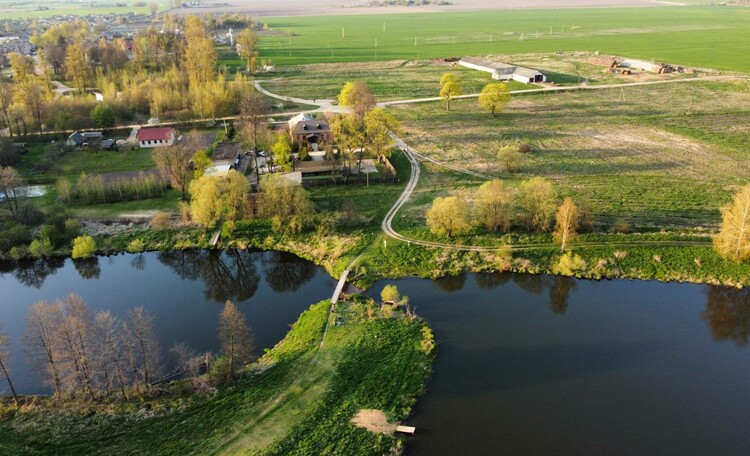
298,398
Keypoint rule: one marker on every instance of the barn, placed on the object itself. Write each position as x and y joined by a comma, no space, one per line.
504,71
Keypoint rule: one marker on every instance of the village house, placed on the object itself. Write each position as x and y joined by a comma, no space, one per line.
155,137
80,139
308,131
226,157
504,71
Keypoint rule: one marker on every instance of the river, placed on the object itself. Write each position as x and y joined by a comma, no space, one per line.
527,365
540,365
185,290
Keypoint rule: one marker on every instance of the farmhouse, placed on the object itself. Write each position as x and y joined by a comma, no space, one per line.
307,130
503,71
77,138
155,137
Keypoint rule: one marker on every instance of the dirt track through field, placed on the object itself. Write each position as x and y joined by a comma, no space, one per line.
413,157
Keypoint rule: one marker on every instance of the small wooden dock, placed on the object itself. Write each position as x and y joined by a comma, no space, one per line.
406,429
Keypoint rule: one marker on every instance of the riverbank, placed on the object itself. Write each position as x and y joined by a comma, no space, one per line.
297,398
665,257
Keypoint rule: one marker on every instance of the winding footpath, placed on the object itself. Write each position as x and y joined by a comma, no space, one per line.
414,158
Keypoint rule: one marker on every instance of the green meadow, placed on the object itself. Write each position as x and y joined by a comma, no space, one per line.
707,37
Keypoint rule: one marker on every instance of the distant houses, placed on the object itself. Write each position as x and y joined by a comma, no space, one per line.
155,137
504,71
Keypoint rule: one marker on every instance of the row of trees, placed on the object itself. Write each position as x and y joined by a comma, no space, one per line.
90,356
165,66
497,206
94,188
494,96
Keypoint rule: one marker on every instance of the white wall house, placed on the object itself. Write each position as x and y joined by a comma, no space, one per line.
504,71
155,137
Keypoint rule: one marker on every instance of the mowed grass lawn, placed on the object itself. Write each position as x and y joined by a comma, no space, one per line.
708,37
658,156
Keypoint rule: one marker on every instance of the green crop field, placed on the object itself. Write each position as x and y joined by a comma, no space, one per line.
707,37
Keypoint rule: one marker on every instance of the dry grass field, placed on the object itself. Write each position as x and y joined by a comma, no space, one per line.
403,79
392,80
658,156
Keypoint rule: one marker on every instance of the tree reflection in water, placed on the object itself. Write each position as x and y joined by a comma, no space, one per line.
138,261
33,273
728,313
451,283
286,272
183,262
558,287
491,280
559,291
228,275
88,268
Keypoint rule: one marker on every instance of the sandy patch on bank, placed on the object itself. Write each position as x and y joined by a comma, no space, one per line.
374,421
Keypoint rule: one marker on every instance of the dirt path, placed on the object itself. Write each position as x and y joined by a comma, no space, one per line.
565,89
412,155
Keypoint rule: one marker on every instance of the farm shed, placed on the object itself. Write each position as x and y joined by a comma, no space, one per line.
504,71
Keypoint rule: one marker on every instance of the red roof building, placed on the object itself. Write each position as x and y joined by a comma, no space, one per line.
155,137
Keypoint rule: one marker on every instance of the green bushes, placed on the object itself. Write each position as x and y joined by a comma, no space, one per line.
83,247
13,235
60,230
41,248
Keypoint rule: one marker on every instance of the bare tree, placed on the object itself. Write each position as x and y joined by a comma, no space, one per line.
254,109
4,356
6,100
11,186
111,353
188,360
173,162
143,346
74,336
39,342
235,336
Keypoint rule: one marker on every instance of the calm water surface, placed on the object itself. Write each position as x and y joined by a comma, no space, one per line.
538,365
185,290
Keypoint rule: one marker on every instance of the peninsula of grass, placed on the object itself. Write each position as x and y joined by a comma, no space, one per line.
298,398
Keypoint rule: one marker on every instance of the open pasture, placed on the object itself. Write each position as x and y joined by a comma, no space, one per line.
408,79
707,37
657,156
392,80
